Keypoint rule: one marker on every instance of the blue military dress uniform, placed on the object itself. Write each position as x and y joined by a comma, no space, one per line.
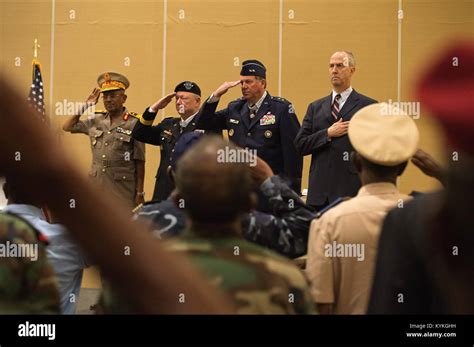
271,132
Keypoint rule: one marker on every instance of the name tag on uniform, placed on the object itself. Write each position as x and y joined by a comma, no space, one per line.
124,131
268,119
234,121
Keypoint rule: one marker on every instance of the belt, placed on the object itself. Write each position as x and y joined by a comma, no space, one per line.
114,163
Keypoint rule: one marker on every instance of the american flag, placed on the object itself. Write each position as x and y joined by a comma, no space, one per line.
36,96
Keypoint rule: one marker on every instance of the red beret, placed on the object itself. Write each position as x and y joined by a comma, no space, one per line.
447,90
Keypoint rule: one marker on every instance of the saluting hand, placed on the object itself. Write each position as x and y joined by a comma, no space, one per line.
224,88
428,165
93,98
338,129
163,102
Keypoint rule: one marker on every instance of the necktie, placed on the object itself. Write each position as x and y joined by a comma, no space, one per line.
253,111
335,106
182,125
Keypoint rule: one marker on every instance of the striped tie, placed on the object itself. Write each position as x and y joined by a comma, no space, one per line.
335,106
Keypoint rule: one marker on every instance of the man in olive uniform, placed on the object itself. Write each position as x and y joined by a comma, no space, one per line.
168,131
118,161
27,281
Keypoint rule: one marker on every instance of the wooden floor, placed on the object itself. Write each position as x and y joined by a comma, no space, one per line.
91,278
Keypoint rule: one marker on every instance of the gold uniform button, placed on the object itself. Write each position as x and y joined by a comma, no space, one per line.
104,156
124,177
106,143
121,138
103,170
108,132
268,134
248,134
231,132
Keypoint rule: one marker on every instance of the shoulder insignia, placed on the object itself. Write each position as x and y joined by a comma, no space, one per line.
237,100
331,205
134,114
278,98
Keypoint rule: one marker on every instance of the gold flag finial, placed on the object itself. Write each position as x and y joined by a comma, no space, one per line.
36,47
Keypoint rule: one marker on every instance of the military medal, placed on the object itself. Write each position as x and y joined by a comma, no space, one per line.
268,119
121,130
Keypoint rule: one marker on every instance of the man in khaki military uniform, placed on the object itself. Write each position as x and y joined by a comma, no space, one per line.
118,161
342,245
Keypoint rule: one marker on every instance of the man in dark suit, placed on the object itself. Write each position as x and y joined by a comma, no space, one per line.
258,121
168,131
324,136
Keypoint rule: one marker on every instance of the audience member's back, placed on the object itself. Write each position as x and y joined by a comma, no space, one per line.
27,281
215,194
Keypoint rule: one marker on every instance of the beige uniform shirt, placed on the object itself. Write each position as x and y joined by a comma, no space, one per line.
114,152
342,248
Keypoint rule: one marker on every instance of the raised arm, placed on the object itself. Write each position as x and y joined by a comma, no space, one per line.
143,130
208,118
73,124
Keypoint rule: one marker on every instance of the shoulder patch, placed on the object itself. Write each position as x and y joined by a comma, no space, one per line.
331,205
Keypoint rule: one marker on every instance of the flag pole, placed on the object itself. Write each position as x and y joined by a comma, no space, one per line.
36,47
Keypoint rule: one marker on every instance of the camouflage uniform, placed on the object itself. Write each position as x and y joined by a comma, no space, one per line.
258,280
26,286
285,230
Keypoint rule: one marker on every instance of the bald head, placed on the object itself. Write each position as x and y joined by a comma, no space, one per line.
213,191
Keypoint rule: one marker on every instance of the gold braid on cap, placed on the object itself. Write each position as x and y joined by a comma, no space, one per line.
109,84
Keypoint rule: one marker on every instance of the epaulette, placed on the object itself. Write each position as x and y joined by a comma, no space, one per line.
331,205
279,98
237,100
100,111
129,114
134,114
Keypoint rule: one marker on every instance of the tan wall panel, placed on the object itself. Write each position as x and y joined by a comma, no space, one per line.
21,22
429,25
204,44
